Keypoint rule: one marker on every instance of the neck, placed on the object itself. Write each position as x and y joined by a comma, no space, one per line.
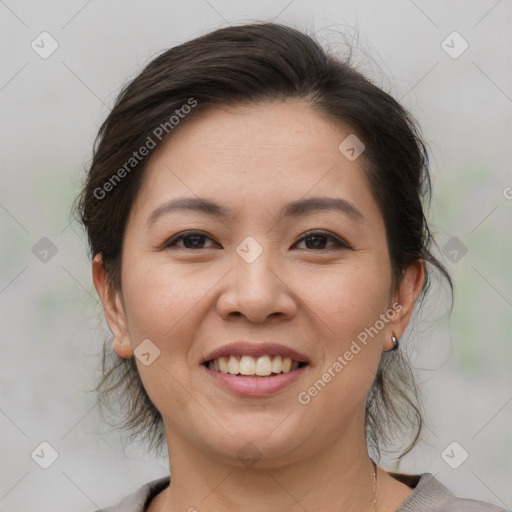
339,477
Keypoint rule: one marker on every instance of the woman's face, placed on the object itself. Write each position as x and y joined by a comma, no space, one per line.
261,270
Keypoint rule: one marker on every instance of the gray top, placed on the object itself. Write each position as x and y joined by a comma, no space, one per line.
429,495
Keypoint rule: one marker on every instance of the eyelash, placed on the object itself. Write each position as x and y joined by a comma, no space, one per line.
340,244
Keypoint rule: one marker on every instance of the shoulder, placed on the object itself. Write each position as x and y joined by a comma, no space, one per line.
430,495
466,505
137,501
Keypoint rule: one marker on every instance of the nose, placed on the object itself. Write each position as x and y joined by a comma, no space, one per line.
257,290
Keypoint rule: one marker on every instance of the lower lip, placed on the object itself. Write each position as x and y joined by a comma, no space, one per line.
256,386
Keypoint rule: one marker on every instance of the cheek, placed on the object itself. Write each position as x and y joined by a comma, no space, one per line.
362,300
163,305
347,306
164,299
347,298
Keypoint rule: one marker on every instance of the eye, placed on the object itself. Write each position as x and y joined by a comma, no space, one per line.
317,240
191,240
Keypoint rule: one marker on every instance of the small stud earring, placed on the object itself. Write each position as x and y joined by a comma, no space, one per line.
395,341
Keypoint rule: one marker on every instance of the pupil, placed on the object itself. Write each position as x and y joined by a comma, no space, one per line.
194,237
319,238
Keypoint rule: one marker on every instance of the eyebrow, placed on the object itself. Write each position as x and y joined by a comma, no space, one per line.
297,208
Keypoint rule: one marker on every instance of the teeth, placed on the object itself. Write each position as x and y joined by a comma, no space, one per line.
247,365
233,366
223,364
262,366
277,364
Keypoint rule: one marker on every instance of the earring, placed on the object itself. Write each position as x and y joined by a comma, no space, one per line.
395,341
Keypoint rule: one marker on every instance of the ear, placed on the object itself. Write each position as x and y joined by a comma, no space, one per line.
113,309
408,292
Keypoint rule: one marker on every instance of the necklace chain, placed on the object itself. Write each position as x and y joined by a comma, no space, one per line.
374,486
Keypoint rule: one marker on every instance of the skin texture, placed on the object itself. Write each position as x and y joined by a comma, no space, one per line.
189,301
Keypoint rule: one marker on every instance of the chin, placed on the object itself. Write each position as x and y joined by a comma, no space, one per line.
251,445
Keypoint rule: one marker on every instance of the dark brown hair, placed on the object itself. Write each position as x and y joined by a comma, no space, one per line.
255,63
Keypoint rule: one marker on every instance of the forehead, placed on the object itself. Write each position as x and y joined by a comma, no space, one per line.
264,133
257,157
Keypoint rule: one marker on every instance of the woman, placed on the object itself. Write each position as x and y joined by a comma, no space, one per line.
254,212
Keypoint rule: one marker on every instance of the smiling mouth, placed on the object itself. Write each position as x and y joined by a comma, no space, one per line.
263,366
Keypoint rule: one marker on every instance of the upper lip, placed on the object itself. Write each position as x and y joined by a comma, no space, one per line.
245,348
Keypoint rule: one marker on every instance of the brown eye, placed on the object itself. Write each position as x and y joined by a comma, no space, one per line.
318,241
191,240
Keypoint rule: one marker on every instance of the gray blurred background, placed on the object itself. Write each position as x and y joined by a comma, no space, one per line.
459,86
